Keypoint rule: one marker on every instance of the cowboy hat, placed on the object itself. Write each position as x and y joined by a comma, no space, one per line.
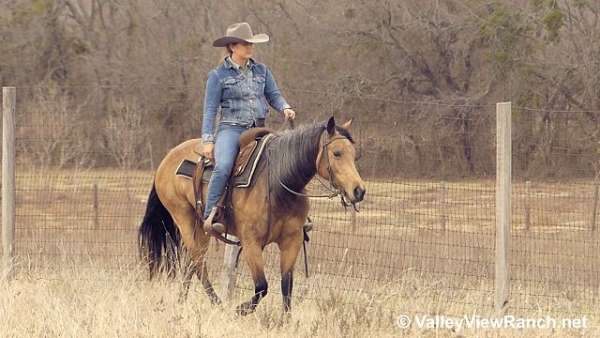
240,32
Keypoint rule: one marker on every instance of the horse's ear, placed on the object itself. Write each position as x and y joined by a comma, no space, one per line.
331,126
347,125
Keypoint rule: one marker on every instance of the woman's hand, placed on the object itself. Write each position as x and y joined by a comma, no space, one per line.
289,114
208,150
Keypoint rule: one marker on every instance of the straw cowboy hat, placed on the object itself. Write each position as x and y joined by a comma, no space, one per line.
240,32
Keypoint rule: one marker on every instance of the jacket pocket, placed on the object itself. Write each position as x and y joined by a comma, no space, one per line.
259,84
231,88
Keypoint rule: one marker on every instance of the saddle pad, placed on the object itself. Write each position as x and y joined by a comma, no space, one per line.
186,169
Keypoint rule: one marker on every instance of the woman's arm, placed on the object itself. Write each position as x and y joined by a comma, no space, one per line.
212,100
273,94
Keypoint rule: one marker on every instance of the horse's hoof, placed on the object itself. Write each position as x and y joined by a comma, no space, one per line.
215,300
244,309
286,318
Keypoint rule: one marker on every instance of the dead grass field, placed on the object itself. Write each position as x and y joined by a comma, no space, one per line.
415,247
84,301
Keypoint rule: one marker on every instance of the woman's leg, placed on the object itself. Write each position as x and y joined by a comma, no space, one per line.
227,145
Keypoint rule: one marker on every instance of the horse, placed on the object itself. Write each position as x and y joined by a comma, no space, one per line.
272,210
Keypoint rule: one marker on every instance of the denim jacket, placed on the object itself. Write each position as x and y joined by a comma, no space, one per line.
242,99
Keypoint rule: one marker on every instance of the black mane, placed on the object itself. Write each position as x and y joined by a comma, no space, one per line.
291,158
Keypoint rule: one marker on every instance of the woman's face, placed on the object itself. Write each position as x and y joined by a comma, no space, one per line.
243,49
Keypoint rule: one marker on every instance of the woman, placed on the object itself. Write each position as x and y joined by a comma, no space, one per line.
243,89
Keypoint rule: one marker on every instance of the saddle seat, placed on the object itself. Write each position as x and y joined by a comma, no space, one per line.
248,143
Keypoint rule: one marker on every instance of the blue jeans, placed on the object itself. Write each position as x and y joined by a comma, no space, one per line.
227,145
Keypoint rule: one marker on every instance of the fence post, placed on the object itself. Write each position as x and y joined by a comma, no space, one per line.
229,273
503,205
595,209
353,219
527,206
8,178
151,156
95,202
442,196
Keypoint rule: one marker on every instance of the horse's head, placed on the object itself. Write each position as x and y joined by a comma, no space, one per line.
336,161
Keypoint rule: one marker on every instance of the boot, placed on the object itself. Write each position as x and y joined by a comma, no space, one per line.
209,226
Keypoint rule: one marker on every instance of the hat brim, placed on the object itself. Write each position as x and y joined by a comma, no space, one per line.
224,41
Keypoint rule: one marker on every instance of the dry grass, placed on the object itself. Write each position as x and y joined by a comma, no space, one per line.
83,301
416,247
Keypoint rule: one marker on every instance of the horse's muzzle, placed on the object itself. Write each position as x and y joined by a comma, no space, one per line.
359,194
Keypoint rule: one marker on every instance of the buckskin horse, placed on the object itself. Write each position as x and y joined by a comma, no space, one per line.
271,210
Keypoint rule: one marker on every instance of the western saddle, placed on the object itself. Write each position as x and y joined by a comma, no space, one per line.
249,141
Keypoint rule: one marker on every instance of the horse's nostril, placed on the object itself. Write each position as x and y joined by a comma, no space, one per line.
359,193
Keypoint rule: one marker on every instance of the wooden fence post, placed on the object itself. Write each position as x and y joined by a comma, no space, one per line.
595,208
150,152
353,219
503,204
96,212
527,206
229,273
443,196
9,95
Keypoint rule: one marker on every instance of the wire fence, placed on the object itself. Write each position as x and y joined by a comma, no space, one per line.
427,225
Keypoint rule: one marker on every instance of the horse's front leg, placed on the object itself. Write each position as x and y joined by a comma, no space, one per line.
289,247
252,252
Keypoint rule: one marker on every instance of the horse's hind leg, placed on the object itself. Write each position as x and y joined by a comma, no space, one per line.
195,243
253,255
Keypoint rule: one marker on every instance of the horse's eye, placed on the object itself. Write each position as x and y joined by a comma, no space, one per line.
337,153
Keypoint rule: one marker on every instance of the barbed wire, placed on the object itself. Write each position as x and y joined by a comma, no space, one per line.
341,94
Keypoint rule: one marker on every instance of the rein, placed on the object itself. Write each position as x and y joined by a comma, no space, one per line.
335,191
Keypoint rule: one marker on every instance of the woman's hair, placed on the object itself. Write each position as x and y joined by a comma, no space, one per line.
226,51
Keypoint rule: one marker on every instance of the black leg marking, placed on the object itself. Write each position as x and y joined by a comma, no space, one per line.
287,283
260,291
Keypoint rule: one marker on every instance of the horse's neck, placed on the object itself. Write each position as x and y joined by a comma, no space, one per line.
305,166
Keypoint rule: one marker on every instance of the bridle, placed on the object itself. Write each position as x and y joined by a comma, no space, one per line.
331,186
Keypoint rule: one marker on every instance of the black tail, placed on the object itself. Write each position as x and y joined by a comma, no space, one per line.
158,237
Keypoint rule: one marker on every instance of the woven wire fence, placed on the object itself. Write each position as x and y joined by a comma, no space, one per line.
426,227
555,241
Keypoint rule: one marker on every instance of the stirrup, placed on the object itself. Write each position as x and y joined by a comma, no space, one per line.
308,226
